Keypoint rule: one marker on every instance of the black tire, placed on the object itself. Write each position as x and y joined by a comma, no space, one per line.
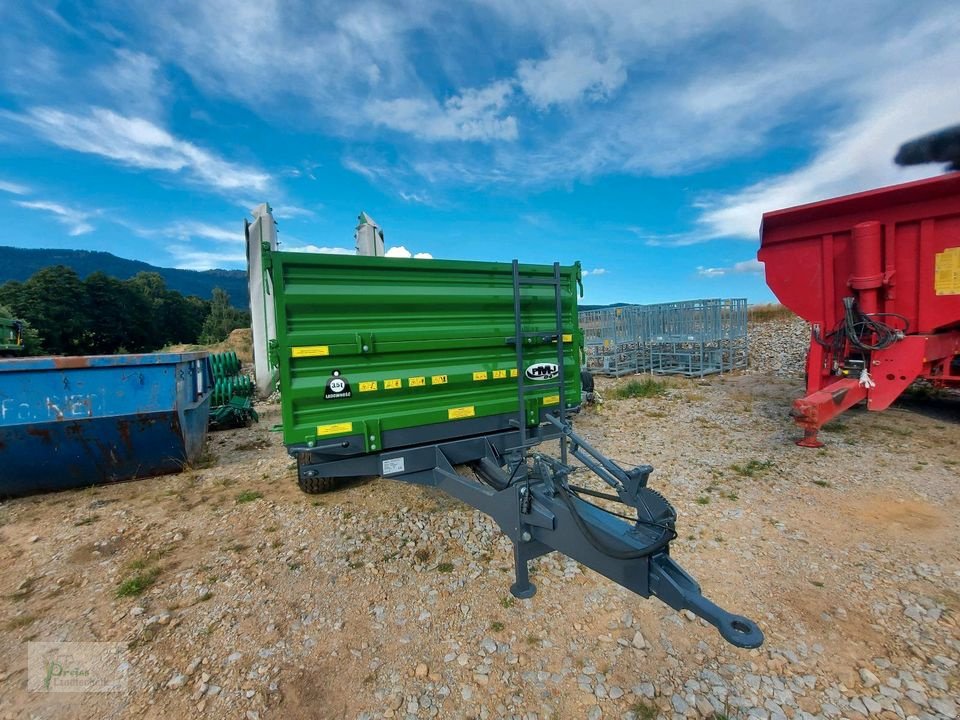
317,485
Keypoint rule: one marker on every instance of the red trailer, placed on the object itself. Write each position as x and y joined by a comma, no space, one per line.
877,274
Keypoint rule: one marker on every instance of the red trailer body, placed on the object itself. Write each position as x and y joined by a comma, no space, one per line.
896,252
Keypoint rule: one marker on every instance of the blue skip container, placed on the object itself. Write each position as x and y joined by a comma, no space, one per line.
69,422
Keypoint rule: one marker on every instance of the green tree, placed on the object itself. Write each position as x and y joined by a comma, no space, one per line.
119,316
53,301
223,318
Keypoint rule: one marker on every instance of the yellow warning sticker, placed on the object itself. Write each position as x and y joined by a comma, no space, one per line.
335,429
499,374
513,372
392,384
438,380
947,272
461,412
482,375
368,386
310,351
567,338
551,400
417,381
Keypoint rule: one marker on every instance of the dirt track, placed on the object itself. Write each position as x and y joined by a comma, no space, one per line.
382,600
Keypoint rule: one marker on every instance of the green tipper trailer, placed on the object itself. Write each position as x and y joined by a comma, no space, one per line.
378,353
410,369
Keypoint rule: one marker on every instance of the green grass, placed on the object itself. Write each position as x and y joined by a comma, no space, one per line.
249,496
507,602
645,388
644,710
445,567
752,468
138,584
496,626
703,500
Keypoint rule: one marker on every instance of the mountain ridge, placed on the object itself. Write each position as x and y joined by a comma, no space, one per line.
20,263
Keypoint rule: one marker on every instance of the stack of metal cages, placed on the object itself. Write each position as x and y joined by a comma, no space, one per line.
693,338
614,341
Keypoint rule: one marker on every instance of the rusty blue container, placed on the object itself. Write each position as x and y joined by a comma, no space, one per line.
69,422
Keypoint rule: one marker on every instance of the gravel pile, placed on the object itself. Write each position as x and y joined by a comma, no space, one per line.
779,346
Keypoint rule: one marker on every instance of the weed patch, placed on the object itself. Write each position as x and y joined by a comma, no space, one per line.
138,584
646,388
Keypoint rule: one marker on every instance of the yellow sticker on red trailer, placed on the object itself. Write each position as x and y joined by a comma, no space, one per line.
392,384
947,272
310,351
461,412
551,400
482,375
368,386
417,381
438,380
499,374
335,429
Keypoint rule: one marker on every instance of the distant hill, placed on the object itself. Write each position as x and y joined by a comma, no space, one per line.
601,307
21,263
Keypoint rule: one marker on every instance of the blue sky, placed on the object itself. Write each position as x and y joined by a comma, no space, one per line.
643,138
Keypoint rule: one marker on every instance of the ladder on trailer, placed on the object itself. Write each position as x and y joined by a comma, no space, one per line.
522,337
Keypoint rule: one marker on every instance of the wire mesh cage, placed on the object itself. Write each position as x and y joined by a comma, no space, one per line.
693,338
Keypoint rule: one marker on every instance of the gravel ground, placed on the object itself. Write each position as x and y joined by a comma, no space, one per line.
387,601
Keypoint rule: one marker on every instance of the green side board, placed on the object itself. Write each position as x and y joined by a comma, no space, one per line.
414,342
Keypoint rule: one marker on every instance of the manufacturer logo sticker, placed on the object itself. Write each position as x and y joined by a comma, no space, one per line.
337,387
542,371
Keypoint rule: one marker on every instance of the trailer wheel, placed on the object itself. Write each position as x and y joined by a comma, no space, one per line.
317,485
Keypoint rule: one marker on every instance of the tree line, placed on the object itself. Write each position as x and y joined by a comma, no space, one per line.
102,315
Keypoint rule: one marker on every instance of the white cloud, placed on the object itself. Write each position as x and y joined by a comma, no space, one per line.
139,143
594,272
13,188
288,212
76,221
416,198
474,114
318,249
399,251
570,72
855,158
189,258
744,267
205,231
133,81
